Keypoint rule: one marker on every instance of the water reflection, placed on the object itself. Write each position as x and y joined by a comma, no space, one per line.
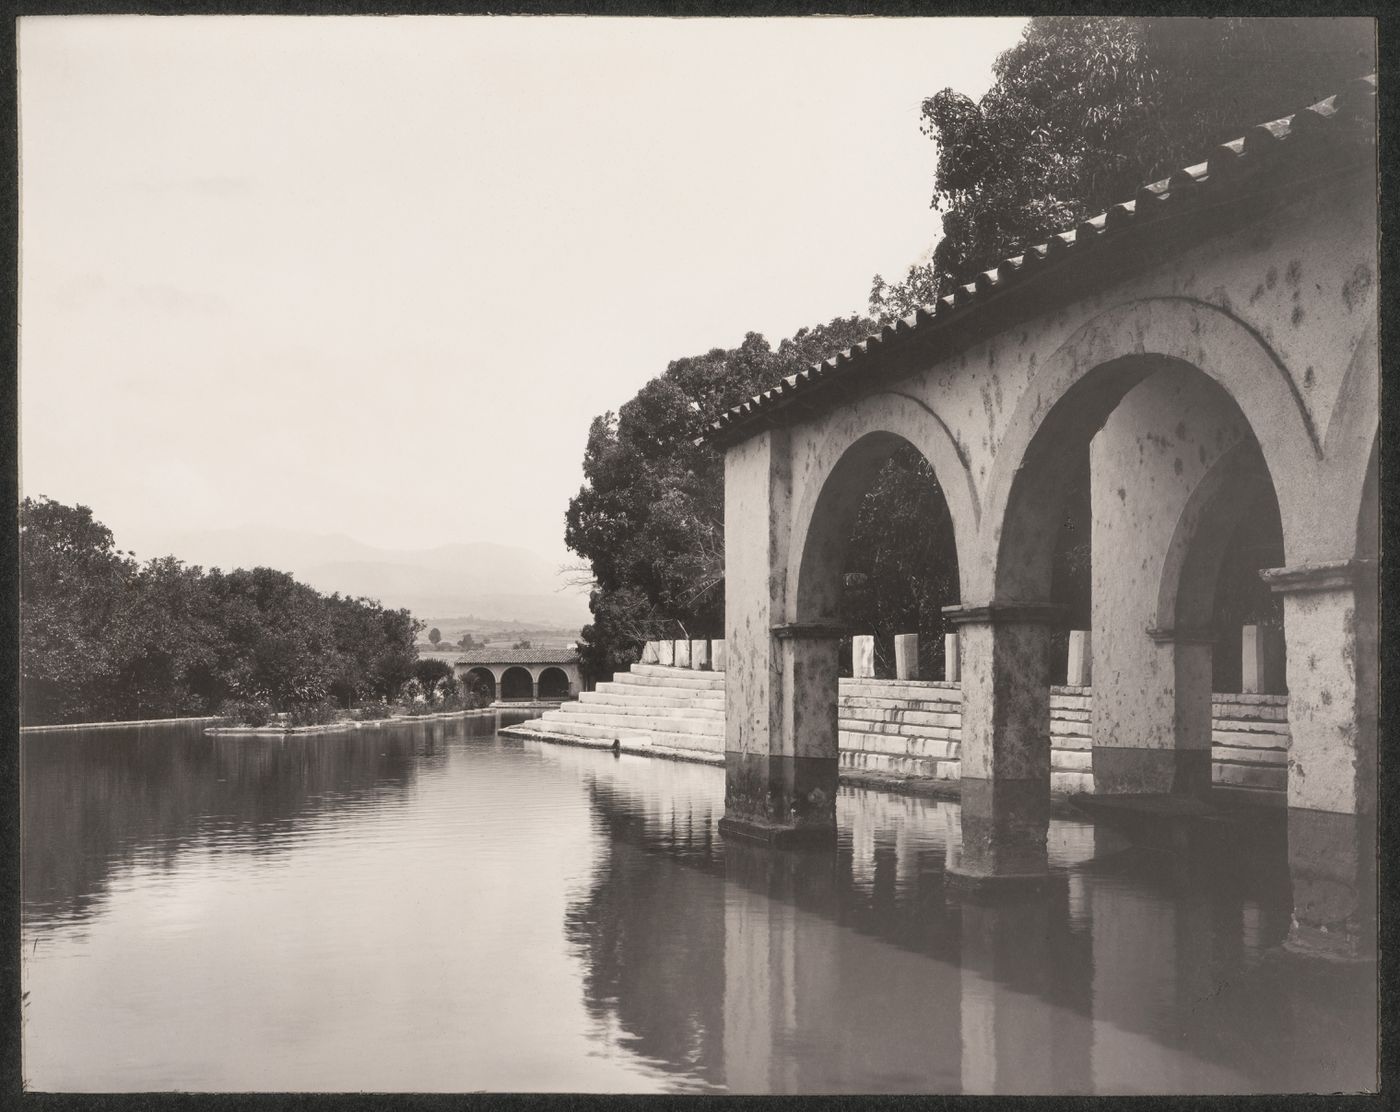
1137,972
437,908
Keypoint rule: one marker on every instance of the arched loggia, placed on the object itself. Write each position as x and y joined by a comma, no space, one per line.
822,564
482,678
554,684
517,683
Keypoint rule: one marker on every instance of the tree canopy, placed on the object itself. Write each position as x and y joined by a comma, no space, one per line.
108,638
1084,110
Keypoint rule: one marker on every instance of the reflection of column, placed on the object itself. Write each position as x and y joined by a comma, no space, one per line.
1005,740
1014,1039
1330,620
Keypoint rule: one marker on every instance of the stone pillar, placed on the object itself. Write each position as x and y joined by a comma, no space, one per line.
535,688
1163,463
666,653
717,656
699,655
1005,741
952,658
1079,672
1261,660
780,683
1330,619
650,653
906,656
681,653
863,657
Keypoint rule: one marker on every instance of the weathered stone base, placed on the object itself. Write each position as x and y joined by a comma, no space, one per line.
780,800
779,837
1004,826
1331,858
1124,770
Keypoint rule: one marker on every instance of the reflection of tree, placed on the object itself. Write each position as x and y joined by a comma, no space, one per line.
652,939
96,798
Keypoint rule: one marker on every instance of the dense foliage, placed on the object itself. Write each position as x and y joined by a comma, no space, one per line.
108,638
1084,110
650,519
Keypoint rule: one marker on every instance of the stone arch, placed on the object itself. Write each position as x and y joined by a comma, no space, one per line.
486,675
1186,598
1082,383
553,683
516,682
855,444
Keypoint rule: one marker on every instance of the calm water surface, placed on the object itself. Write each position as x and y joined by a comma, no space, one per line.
434,907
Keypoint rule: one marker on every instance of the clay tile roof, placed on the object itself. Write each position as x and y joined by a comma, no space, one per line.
1347,118
518,656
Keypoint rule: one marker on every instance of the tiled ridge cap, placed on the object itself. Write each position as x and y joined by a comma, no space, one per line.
1355,102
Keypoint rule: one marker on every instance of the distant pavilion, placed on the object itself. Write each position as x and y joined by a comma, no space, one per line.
522,674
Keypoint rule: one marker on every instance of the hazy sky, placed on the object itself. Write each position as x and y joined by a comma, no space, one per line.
376,276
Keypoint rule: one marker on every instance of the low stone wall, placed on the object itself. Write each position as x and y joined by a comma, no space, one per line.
897,728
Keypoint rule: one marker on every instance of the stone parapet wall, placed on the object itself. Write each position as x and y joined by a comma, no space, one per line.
906,727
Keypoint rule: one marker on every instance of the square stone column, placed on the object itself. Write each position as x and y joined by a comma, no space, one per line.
1005,740
699,655
680,655
779,677
1331,623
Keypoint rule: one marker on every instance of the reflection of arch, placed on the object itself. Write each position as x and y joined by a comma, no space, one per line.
826,527
482,675
517,683
1080,385
857,440
554,683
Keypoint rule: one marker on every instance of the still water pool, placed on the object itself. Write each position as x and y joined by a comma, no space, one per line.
434,907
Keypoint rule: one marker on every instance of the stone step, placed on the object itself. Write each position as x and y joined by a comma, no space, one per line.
638,723
1251,726
1071,760
1070,783
658,691
902,690
1069,714
1074,742
713,681
1249,776
897,744
913,721
629,697
1231,754
714,714
899,764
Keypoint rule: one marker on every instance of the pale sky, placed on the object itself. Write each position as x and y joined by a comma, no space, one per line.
376,275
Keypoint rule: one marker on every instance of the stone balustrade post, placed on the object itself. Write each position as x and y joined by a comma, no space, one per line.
681,653
952,659
1079,671
666,653
863,657
717,655
906,656
699,655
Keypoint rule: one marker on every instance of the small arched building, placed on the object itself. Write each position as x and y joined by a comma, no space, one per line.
522,675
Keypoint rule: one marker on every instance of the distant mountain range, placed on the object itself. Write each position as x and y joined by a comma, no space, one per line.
488,580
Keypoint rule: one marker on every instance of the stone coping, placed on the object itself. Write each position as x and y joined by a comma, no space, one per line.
116,725
338,727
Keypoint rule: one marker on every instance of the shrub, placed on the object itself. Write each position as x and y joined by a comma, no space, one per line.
247,712
311,714
370,712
